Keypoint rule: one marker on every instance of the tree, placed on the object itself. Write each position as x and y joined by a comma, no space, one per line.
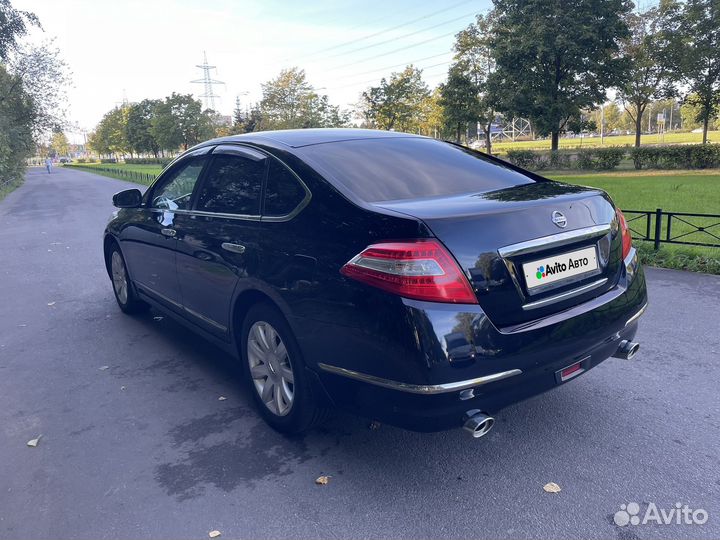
17,115
110,135
433,115
612,115
14,25
555,58
180,121
290,102
59,144
459,100
139,127
397,103
474,59
31,91
647,50
698,59
692,115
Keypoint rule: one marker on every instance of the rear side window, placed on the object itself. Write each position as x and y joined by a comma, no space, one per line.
232,185
388,169
283,192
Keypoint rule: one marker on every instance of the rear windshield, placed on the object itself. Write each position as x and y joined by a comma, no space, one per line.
379,170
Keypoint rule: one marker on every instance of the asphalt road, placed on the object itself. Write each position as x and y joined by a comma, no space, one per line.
144,448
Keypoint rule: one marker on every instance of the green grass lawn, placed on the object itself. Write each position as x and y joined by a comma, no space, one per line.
618,140
674,191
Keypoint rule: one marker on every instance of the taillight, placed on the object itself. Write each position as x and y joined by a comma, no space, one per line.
419,269
625,232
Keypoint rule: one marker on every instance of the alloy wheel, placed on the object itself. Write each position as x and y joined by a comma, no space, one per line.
119,277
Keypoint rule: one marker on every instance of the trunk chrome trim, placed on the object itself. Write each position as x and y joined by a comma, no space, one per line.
554,240
419,388
566,295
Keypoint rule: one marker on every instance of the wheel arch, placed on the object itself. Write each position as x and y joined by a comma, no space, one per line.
246,299
108,242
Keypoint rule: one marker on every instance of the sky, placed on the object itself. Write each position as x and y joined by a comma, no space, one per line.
148,49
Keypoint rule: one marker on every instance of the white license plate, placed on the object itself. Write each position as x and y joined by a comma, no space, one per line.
560,267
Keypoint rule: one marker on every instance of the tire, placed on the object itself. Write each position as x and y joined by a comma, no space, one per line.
123,288
275,372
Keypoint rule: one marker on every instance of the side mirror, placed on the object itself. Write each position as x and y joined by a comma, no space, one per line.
129,198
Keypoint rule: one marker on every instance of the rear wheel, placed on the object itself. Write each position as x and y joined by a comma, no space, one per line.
275,370
124,291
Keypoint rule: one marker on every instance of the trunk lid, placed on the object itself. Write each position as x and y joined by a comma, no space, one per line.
492,235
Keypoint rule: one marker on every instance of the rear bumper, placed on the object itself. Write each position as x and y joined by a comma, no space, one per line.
438,361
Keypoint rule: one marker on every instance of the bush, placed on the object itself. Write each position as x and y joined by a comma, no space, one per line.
108,160
600,159
148,161
527,159
81,160
688,156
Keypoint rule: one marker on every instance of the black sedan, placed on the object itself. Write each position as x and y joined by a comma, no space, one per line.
413,281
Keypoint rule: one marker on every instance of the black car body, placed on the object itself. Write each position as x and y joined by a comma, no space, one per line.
396,263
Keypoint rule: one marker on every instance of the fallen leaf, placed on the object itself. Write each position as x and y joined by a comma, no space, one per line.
551,487
322,480
159,318
222,398
34,442
103,368
214,534
51,303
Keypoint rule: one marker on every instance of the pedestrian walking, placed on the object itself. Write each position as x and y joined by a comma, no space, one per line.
48,165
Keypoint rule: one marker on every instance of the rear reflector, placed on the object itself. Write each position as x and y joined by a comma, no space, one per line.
571,371
419,269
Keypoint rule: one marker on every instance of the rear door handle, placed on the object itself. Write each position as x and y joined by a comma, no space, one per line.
168,232
233,248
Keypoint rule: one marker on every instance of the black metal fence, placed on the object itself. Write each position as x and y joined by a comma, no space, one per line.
135,176
661,227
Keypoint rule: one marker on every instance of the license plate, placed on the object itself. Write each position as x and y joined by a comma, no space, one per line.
560,267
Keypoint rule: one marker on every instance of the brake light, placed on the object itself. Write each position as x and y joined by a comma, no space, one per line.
419,269
625,232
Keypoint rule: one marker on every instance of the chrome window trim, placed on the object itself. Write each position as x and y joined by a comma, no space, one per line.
245,217
419,388
554,240
566,295
203,213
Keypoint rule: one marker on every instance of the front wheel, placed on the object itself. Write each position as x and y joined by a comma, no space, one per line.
124,291
275,370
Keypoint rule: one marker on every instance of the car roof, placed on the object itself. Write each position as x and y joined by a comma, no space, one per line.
296,138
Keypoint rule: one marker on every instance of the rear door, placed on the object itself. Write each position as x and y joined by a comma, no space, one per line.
217,242
148,241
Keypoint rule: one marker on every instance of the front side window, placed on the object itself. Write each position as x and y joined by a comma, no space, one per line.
175,191
233,185
283,192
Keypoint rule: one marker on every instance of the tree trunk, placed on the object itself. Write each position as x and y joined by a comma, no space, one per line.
488,139
457,133
638,129
555,138
706,122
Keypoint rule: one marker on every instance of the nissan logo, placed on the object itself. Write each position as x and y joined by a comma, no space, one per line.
559,219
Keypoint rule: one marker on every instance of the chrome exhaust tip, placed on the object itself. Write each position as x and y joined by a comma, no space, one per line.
627,350
477,423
